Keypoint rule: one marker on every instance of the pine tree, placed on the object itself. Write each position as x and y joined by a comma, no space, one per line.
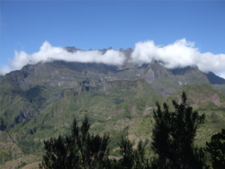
80,150
216,148
132,158
173,137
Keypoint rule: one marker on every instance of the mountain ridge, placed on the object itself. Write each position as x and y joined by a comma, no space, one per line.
55,76
39,101
212,78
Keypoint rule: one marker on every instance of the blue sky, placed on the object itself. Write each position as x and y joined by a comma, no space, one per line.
26,25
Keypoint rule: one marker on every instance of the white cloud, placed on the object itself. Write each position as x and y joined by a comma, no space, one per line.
179,54
48,53
4,70
222,75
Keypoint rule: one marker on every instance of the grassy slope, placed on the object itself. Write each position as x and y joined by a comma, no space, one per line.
100,107
118,107
209,101
125,108
11,99
220,88
170,84
9,150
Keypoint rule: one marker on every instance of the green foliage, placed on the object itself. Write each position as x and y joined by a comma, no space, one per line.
82,150
220,88
21,165
79,150
29,146
109,111
214,118
132,158
146,142
216,148
173,137
4,157
115,136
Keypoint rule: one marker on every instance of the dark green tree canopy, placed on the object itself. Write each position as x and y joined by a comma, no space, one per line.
173,136
172,141
80,150
216,147
132,158
84,151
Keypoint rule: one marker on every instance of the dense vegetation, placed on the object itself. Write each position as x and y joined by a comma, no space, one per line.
216,148
173,138
40,101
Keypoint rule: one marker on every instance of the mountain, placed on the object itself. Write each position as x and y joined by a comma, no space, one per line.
27,92
40,101
213,79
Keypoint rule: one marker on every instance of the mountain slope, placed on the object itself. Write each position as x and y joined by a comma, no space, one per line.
40,101
213,79
34,87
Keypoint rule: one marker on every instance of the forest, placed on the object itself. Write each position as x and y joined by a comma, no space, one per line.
172,142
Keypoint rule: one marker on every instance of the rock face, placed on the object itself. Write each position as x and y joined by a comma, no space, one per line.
154,71
18,78
25,114
127,53
70,49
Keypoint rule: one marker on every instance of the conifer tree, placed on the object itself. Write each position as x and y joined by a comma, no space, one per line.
173,137
132,158
80,150
216,148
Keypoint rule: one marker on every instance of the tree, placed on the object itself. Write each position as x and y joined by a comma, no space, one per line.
173,137
132,158
79,150
216,148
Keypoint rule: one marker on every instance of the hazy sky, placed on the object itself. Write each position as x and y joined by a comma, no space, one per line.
178,33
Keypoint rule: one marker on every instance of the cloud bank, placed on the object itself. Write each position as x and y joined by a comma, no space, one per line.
4,70
181,53
48,53
222,75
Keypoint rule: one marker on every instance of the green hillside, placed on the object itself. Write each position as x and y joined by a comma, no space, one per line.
120,108
41,101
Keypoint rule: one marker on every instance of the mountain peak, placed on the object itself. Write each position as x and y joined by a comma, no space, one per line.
72,49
